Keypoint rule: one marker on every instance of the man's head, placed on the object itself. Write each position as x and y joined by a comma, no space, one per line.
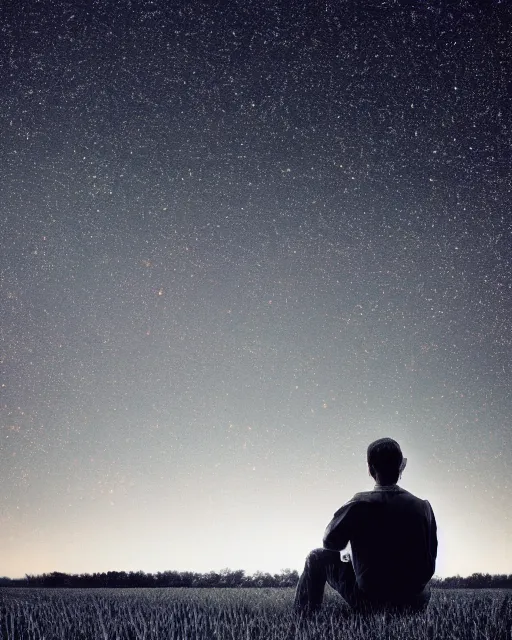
385,461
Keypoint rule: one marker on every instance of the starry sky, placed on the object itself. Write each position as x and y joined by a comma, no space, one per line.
240,240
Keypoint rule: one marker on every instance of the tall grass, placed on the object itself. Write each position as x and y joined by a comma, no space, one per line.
238,614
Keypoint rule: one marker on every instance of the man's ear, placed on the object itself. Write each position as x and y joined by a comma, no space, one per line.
403,464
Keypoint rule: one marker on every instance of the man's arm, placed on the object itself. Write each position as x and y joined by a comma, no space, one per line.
432,547
339,530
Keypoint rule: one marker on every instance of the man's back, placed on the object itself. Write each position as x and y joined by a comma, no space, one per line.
393,537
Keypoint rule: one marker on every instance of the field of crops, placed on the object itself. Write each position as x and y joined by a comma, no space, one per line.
238,614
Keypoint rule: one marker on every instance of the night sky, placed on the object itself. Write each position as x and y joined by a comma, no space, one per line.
240,240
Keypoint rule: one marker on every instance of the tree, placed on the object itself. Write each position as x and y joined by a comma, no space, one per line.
287,578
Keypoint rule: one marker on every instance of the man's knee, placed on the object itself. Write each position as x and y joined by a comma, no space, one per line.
322,556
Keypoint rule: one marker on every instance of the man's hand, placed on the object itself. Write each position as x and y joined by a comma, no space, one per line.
346,557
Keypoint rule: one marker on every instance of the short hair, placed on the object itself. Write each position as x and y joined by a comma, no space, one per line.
385,456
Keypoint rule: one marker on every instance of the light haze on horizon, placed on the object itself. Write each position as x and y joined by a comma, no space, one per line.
237,244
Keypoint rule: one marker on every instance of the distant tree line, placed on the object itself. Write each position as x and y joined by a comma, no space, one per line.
474,581
226,578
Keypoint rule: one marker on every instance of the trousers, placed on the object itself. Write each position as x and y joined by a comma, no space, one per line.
324,566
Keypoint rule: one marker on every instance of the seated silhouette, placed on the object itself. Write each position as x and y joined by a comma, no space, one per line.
393,540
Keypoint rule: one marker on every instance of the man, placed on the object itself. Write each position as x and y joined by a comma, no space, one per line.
393,538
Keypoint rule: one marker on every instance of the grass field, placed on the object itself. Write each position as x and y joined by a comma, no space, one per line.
237,614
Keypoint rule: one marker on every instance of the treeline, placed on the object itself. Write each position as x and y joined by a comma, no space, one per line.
225,578
474,581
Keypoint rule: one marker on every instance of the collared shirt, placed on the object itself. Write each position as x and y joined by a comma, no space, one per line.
393,536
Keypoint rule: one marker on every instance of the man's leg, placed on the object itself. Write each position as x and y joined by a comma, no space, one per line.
323,566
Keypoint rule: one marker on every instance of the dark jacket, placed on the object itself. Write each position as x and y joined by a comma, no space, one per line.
393,536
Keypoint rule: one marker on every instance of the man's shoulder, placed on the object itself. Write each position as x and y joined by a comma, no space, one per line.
362,496
377,495
406,498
